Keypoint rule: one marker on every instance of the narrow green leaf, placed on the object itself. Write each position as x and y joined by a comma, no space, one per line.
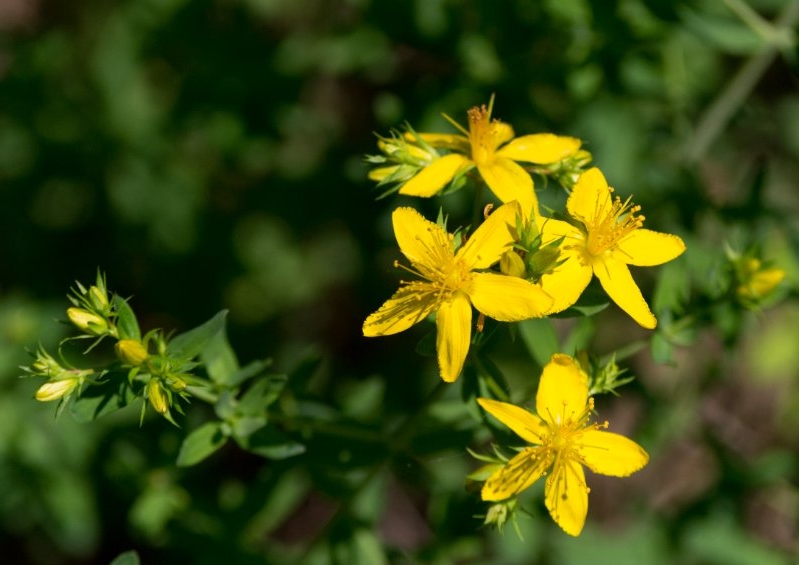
220,360
260,395
126,320
201,443
190,344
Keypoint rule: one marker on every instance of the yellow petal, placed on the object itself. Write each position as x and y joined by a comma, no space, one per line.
407,307
518,474
620,286
500,133
508,181
451,141
563,391
489,241
540,148
610,454
508,299
646,248
568,282
566,496
454,323
590,194
527,426
435,176
420,240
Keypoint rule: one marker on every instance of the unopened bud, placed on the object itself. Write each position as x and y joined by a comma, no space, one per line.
99,298
176,383
88,322
756,282
131,351
54,390
512,264
157,396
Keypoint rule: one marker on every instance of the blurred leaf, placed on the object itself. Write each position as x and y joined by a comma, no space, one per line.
662,350
272,444
190,344
126,320
127,558
540,338
201,443
220,360
727,34
261,395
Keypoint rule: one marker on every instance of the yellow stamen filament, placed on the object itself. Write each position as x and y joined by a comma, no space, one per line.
482,134
612,224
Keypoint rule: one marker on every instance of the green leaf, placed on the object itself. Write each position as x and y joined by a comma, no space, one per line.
662,350
99,399
260,395
270,443
126,320
220,360
201,443
190,344
126,558
540,338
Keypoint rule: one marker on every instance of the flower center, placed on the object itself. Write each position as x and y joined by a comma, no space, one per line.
611,224
482,134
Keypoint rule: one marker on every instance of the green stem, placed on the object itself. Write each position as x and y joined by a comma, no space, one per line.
719,113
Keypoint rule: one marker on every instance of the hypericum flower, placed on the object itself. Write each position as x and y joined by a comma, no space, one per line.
564,441
452,282
609,238
490,146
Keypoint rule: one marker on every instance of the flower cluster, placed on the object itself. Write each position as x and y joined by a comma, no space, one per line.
157,376
516,265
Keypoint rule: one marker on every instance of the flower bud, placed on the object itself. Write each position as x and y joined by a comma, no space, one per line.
56,389
88,322
157,396
176,383
98,298
131,351
45,365
512,264
755,282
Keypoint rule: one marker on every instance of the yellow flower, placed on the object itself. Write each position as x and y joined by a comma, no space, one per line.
609,238
490,146
564,441
453,283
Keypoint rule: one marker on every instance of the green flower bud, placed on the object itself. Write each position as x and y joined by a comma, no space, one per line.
131,351
88,322
157,396
512,264
98,298
176,383
56,389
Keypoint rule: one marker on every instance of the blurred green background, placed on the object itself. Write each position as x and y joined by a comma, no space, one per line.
208,154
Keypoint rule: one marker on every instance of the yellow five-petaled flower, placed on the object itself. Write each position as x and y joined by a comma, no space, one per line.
607,238
490,146
563,441
454,281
